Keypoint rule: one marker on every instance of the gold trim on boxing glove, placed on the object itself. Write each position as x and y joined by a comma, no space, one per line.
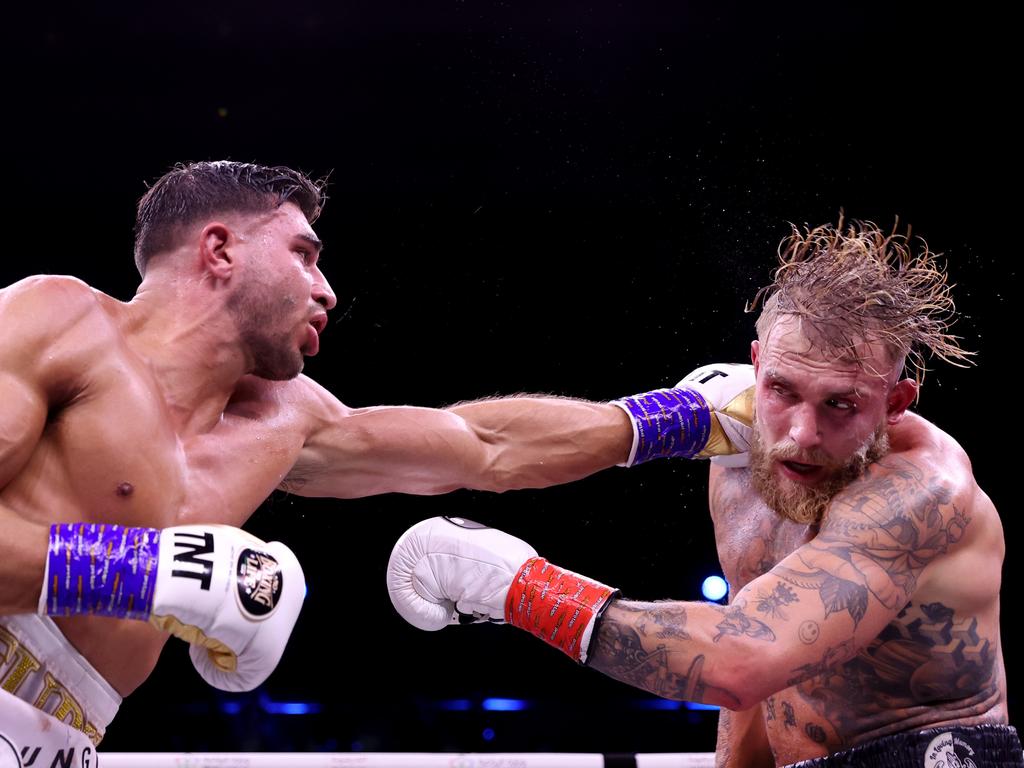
740,408
222,656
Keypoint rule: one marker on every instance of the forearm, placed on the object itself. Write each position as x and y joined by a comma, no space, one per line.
507,443
534,442
676,650
539,441
444,569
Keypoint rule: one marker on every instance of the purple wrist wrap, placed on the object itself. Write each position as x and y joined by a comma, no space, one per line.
670,423
103,570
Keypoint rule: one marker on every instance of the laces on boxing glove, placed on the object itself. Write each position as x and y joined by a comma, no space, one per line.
461,618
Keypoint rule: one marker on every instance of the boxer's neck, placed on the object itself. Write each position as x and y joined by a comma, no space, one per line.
192,347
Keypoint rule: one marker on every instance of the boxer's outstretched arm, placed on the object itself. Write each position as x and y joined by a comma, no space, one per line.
496,445
515,442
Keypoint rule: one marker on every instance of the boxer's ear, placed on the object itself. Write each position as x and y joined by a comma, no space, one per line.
215,250
900,398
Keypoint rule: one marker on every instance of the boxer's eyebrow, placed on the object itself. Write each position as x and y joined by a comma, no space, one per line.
312,240
849,392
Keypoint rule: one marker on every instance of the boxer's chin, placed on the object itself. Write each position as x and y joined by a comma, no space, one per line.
806,504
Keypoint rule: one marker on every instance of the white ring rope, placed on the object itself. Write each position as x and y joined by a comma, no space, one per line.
396,760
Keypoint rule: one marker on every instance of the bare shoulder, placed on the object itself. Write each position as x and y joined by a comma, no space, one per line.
47,306
924,454
925,458
917,436
62,315
302,401
303,392
923,482
50,298
916,515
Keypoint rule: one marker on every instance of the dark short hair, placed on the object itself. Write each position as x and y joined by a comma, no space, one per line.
190,192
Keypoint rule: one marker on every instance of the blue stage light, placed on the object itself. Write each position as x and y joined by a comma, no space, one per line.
714,588
505,705
658,704
289,707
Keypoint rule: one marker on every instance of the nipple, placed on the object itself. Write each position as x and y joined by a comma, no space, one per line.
125,489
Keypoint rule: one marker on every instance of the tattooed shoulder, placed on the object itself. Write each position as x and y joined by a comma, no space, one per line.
899,517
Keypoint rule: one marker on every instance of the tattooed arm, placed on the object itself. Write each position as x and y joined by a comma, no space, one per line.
812,611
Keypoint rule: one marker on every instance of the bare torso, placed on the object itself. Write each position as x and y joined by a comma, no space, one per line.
113,450
939,661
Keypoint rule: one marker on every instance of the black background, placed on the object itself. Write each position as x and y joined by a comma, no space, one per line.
570,198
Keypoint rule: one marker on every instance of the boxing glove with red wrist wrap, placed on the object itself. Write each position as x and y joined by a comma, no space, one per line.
450,571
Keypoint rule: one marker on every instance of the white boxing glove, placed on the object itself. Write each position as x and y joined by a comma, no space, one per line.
709,414
232,596
729,390
446,571
450,570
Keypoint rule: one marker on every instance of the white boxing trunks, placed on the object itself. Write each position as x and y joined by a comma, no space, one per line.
54,707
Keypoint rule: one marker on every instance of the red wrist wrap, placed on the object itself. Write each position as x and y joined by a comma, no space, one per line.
555,605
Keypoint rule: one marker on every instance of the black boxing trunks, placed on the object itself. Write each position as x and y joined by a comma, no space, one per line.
976,746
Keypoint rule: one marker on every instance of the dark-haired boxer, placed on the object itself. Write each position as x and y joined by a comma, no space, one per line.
863,558
135,438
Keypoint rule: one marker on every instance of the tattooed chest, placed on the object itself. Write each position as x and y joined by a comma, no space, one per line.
751,539
929,665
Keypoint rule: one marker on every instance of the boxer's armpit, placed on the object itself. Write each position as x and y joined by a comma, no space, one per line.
742,741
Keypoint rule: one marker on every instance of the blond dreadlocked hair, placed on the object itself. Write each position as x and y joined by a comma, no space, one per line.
850,284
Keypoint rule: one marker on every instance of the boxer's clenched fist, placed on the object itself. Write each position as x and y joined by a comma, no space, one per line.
233,597
449,570
709,414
